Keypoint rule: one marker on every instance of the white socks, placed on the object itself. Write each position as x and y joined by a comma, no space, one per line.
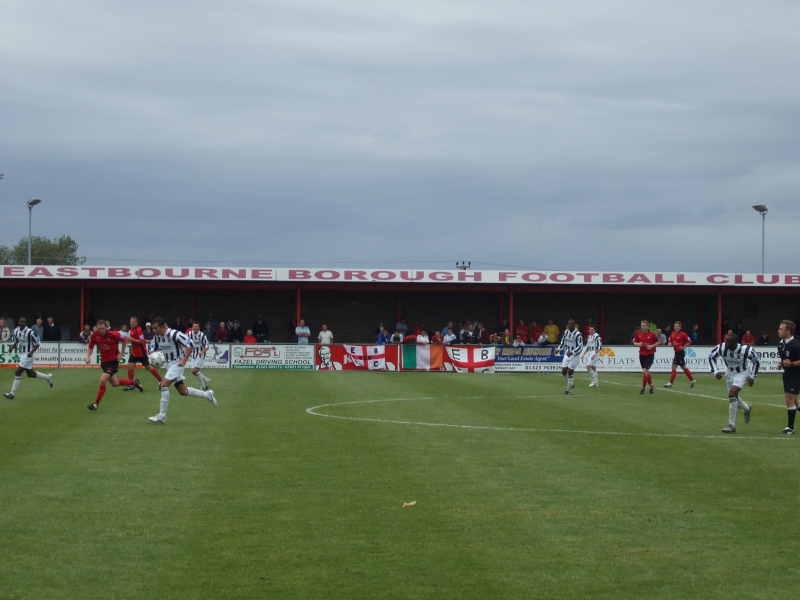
732,409
594,376
41,375
742,404
164,401
195,393
15,385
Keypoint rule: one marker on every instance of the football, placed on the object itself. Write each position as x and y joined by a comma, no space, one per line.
157,359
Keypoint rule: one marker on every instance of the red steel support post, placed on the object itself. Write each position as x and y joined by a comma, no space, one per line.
511,312
603,316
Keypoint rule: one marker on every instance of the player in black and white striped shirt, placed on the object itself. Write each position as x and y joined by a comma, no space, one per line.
177,348
593,345
26,340
199,349
743,363
571,346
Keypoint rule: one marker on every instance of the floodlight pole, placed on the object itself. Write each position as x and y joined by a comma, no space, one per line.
762,210
31,203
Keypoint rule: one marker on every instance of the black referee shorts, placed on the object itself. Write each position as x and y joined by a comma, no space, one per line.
791,382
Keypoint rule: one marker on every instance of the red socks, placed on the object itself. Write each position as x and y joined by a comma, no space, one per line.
688,373
156,375
130,373
672,377
100,392
644,380
125,381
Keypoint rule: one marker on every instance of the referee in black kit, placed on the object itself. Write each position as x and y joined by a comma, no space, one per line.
789,352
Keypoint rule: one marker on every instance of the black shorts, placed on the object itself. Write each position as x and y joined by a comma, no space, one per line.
110,367
680,359
791,383
132,360
646,360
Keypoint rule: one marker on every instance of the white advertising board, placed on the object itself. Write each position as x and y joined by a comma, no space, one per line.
272,356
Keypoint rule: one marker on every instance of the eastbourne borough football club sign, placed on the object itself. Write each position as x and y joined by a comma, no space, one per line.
405,276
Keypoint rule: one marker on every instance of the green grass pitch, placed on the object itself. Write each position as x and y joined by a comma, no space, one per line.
521,491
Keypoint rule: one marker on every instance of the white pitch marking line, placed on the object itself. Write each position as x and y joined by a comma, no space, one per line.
313,409
674,391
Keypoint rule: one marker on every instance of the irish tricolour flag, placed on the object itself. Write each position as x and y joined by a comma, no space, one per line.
423,358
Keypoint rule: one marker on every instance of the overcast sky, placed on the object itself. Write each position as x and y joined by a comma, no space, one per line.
571,135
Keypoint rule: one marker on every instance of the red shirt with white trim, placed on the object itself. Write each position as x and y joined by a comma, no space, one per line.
648,338
138,349
108,344
679,341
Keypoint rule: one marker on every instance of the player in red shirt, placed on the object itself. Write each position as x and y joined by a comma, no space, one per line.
138,353
646,341
679,340
110,355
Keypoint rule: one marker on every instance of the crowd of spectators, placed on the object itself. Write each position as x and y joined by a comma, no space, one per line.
468,332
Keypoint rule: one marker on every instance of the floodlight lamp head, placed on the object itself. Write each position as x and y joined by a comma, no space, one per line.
33,202
761,208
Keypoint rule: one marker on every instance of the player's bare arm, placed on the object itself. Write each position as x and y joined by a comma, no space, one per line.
186,355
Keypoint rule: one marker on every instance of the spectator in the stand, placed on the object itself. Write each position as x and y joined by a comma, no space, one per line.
450,338
8,320
482,334
764,340
38,328
422,338
410,339
178,325
726,325
444,329
213,321
401,326
748,339
149,334
535,331
379,329
467,336
302,332
325,337
384,338
189,325
237,335
260,329
661,337
250,338
85,334
588,324
552,331
208,332
503,326
521,330
739,330
494,339
397,337
222,335
231,321
694,335
422,328
653,327
518,341
52,332
123,329
505,338
437,337
543,339
5,332
667,331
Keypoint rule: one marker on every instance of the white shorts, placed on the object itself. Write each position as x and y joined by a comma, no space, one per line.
571,362
174,372
25,361
591,358
199,362
737,379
